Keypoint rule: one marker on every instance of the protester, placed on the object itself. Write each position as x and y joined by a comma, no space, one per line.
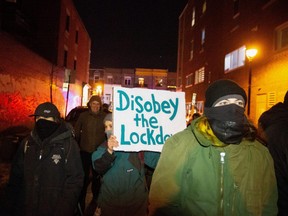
105,108
46,175
194,116
215,166
274,123
90,133
123,190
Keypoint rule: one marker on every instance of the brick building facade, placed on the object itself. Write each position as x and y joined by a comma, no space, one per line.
213,39
41,43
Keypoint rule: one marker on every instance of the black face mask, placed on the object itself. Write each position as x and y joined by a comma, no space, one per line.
45,128
228,123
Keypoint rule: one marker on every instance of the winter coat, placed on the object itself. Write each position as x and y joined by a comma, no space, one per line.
46,176
275,125
90,130
195,178
123,190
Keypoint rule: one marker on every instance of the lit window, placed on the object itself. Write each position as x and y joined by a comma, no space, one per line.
189,80
159,83
203,36
141,82
281,40
235,59
204,7
193,17
200,75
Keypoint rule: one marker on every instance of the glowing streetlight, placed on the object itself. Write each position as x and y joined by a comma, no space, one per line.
99,90
250,54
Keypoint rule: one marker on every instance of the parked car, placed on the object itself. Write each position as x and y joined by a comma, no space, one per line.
74,114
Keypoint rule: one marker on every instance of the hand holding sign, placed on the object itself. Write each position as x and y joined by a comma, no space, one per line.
112,143
144,119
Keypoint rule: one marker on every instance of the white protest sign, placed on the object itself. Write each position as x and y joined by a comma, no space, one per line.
143,119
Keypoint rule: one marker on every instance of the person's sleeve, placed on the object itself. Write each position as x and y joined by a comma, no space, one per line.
102,160
164,195
278,148
13,201
269,187
151,158
73,183
78,128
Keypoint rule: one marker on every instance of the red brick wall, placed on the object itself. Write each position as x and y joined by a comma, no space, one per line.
24,83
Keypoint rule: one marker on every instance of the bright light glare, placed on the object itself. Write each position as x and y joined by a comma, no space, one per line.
251,53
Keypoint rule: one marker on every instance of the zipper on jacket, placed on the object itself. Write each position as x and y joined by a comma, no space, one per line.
234,197
222,161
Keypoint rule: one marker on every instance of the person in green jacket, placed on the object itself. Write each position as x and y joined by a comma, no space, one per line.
124,189
215,167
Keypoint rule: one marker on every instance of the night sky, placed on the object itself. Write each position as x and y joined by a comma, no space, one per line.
132,33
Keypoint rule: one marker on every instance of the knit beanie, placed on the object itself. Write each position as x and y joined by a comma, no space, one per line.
108,117
221,88
95,98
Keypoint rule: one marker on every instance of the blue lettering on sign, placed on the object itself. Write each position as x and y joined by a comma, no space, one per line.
149,137
139,105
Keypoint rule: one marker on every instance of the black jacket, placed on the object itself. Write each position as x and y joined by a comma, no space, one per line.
46,176
275,125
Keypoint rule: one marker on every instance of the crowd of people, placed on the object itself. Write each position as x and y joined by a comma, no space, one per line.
218,165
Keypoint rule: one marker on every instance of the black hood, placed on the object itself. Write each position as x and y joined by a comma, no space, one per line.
276,114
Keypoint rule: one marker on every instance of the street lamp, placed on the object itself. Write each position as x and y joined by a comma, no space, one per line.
99,90
250,54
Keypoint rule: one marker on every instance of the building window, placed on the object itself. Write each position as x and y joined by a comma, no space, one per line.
127,80
193,17
67,25
204,7
110,79
189,80
203,36
234,59
65,58
281,37
199,75
192,49
75,64
159,83
141,82
96,78
236,7
76,37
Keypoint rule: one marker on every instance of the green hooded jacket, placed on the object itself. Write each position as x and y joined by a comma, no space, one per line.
193,177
